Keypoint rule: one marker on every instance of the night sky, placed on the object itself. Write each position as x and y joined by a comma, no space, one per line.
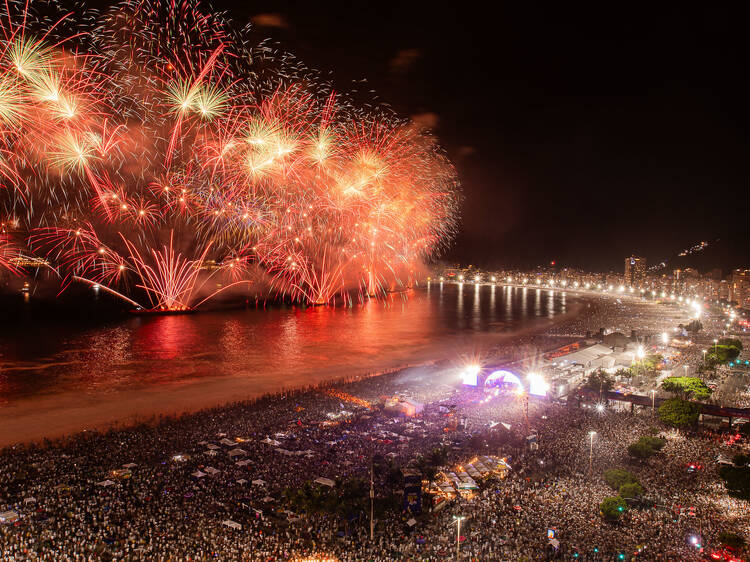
579,136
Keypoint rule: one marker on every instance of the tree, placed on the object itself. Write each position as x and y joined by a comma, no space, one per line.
632,490
732,540
719,354
694,327
652,360
429,472
656,443
687,387
678,413
646,447
616,477
613,507
599,381
736,480
623,373
439,456
640,450
733,342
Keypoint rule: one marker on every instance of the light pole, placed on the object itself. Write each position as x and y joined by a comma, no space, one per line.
640,354
372,498
704,356
653,400
591,449
458,519
715,342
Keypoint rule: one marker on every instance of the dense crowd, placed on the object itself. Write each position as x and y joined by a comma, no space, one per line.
172,489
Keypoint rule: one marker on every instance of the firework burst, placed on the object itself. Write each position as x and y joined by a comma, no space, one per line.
114,128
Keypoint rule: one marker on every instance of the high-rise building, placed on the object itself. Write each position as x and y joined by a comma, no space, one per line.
740,287
635,271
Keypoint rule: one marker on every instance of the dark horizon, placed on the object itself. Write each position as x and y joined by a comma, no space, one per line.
579,136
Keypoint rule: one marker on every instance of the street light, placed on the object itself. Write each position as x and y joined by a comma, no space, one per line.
591,448
458,519
704,355
653,400
715,342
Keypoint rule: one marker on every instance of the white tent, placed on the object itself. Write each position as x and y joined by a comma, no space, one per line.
8,516
325,482
105,483
212,446
241,481
228,442
198,474
211,470
30,499
411,522
259,482
273,442
129,465
237,452
243,463
232,524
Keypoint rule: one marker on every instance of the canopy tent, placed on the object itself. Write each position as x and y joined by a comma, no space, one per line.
105,483
325,482
29,499
243,463
227,442
212,446
272,442
211,470
8,516
198,474
259,482
237,452
129,465
232,524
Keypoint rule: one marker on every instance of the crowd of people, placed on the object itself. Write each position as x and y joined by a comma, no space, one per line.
215,484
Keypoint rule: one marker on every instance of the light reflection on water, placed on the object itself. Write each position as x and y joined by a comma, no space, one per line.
289,346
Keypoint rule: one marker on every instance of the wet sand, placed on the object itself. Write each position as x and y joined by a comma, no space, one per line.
64,413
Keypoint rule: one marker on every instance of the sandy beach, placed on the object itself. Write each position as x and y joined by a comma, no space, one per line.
63,413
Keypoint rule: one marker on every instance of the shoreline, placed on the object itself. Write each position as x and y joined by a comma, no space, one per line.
42,418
